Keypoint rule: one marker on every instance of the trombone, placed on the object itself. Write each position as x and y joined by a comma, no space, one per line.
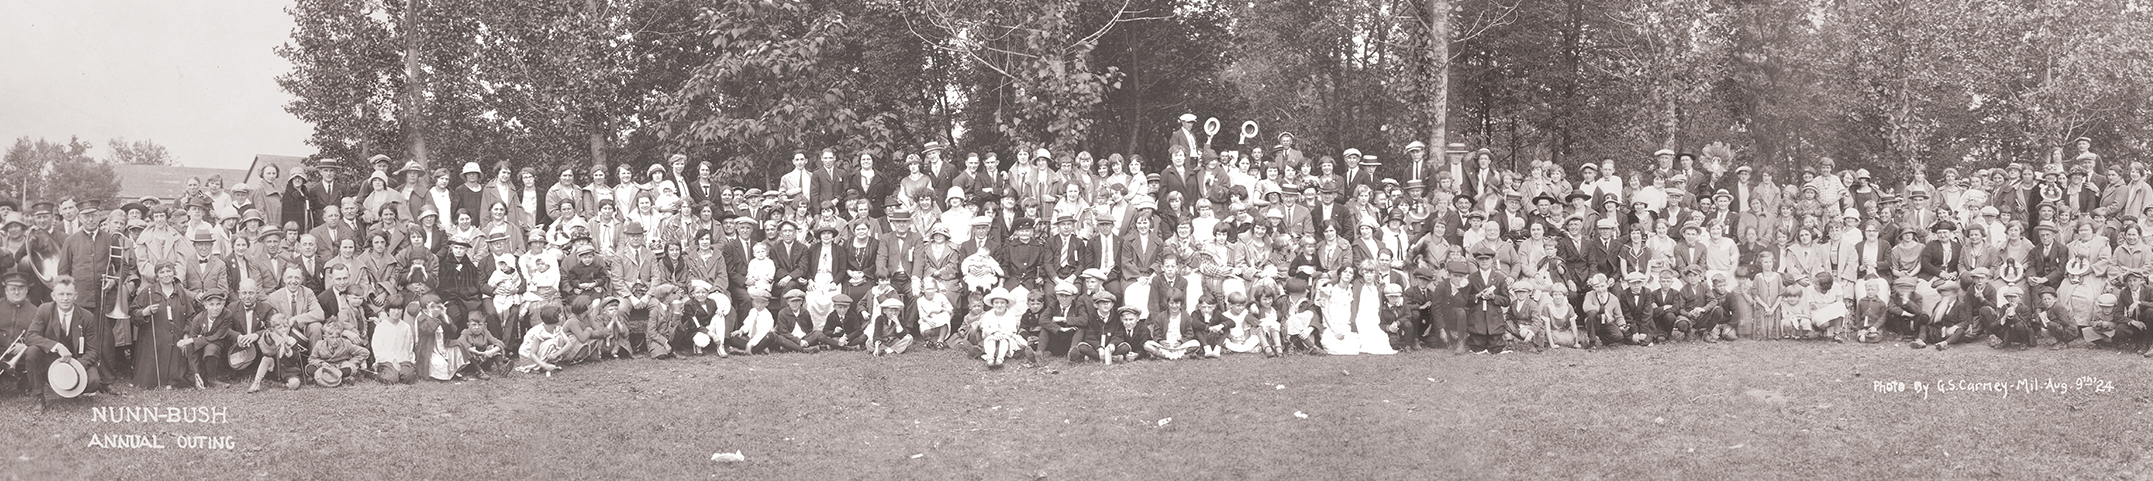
15,351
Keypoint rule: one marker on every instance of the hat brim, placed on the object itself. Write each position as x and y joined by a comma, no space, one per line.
67,377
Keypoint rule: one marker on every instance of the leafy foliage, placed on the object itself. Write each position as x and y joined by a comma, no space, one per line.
1877,84
40,169
139,152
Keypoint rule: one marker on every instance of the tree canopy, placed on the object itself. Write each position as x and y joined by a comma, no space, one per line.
1880,84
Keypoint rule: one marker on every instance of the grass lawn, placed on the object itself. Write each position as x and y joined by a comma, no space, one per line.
1755,410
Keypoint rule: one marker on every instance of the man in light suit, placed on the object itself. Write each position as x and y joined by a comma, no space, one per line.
1184,137
631,263
334,228
1293,209
205,270
895,253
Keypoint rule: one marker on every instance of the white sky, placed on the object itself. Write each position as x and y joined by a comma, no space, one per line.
198,76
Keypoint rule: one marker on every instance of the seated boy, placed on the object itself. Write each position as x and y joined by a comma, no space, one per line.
481,351
1171,333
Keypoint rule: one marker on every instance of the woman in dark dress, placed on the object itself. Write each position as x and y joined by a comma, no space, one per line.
161,310
298,206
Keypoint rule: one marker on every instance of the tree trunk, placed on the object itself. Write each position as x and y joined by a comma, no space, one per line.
598,145
1435,68
413,114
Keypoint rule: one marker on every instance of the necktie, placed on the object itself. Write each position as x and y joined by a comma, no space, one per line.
1106,252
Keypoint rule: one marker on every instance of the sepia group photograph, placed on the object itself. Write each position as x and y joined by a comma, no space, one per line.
1076,239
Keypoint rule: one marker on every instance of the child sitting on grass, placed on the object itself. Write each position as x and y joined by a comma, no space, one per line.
1522,319
1266,318
481,351
886,334
1601,321
1794,310
1827,307
546,344
1298,316
935,312
999,328
1215,324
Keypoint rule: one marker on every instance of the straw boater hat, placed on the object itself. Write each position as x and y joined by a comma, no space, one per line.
1003,294
2078,266
328,376
67,377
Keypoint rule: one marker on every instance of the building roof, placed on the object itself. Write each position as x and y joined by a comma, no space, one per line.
165,182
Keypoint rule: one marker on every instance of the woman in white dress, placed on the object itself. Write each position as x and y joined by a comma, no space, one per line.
1335,296
1367,302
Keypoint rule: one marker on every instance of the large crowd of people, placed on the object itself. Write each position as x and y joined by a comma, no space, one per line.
315,277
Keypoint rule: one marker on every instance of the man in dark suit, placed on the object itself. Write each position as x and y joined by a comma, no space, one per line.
1106,249
330,188
1067,315
938,167
1454,225
63,329
1329,214
1487,297
991,181
1072,254
1739,189
1666,305
789,255
1602,250
1578,268
1944,251
826,186
2044,264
